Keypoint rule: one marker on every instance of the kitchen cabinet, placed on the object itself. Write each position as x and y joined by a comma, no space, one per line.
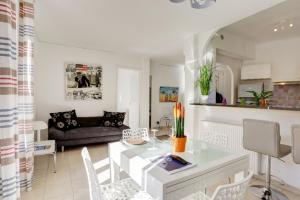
256,71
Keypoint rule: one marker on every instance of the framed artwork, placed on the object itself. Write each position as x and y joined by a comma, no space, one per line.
168,94
83,82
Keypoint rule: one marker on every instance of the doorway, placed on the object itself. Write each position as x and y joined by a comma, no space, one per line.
128,95
225,82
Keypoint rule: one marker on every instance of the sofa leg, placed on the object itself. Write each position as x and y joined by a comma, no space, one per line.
62,148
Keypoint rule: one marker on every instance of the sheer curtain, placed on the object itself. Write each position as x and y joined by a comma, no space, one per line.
16,97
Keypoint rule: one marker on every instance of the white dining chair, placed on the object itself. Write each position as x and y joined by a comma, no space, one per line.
125,189
138,133
296,143
234,191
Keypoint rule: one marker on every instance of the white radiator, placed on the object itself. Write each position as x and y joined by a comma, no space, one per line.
234,135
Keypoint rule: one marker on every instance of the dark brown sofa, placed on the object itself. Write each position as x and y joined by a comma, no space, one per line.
90,132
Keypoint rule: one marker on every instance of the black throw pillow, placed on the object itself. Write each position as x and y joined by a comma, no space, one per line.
113,119
65,120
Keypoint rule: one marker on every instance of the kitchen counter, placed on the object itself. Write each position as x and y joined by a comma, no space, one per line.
228,119
248,106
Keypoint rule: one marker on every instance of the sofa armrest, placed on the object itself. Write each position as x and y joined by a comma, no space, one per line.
55,134
124,127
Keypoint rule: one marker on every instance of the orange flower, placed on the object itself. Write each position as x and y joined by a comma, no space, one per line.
178,110
182,112
174,111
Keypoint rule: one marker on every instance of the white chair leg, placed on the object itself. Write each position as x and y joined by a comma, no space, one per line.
114,171
229,179
54,162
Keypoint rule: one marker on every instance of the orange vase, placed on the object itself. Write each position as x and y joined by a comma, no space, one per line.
179,144
263,103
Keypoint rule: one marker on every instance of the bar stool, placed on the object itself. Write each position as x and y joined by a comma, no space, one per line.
264,137
296,143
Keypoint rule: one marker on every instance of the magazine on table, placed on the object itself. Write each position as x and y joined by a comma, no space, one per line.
172,163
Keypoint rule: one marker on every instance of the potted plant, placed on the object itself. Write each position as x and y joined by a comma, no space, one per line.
179,139
261,99
204,81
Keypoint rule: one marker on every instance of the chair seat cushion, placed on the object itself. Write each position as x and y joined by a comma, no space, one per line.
284,150
123,189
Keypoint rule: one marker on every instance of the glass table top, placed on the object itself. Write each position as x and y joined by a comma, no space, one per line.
197,152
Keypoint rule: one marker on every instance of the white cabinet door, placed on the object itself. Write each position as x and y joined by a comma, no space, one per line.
285,74
256,71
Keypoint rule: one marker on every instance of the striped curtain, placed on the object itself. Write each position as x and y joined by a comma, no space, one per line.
16,97
25,92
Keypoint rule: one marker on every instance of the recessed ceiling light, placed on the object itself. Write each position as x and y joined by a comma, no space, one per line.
291,25
275,29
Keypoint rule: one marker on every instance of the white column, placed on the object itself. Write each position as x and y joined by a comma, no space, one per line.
194,50
144,92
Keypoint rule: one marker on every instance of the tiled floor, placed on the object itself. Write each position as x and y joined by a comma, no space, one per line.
70,182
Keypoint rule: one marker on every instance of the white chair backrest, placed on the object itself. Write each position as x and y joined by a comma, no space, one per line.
39,125
215,139
94,189
234,191
265,131
139,133
296,143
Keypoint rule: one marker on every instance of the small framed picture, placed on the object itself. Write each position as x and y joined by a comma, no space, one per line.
168,94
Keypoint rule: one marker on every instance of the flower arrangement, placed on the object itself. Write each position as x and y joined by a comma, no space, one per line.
179,139
262,97
178,111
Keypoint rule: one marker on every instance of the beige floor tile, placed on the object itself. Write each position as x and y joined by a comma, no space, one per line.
41,162
35,194
80,184
56,190
62,197
61,175
81,194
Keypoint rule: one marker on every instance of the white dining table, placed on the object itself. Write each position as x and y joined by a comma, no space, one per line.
212,165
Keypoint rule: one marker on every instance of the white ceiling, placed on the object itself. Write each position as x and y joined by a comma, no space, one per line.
155,28
259,27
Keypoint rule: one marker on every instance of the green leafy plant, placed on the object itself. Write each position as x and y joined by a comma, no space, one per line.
266,94
206,75
243,101
260,96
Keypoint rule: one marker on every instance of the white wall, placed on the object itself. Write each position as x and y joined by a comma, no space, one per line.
163,75
284,57
49,80
234,45
129,95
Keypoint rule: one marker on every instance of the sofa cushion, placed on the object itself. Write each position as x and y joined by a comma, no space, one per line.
91,132
113,119
65,120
